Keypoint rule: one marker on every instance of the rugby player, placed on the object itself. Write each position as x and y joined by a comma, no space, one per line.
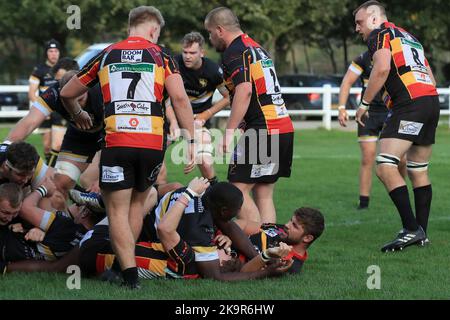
264,152
133,74
40,80
399,64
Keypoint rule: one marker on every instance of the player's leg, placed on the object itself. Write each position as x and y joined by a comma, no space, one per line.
391,151
368,153
249,210
89,179
263,196
418,159
204,156
67,174
122,239
138,208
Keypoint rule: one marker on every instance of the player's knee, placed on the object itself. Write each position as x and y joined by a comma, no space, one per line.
385,162
417,167
69,169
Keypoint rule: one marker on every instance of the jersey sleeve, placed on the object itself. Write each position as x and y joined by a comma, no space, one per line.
239,67
379,39
171,66
46,102
35,76
39,173
357,65
88,76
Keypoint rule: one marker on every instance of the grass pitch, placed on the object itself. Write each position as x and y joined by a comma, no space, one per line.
324,176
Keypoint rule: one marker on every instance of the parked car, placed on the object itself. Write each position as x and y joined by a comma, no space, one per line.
9,101
313,101
90,52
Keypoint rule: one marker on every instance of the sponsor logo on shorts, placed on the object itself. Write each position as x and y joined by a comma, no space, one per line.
131,56
136,124
127,107
112,174
410,127
260,170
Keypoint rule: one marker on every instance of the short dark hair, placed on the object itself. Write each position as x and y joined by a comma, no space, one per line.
12,192
191,38
311,220
369,3
223,194
22,156
65,63
66,78
223,16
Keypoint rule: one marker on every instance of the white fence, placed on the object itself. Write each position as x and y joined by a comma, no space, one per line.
326,112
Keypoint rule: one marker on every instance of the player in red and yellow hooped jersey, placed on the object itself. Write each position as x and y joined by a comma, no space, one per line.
257,101
399,64
133,75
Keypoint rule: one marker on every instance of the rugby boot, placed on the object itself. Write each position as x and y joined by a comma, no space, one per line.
91,199
404,239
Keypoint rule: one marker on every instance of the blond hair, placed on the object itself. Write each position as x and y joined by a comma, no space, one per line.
143,14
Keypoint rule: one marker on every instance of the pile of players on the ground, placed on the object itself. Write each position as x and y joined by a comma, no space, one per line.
41,231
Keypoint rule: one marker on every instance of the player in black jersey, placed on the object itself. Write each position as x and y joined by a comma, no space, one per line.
38,234
369,133
40,80
177,240
201,77
20,163
79,146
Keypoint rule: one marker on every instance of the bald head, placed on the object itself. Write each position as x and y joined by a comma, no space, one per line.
224,17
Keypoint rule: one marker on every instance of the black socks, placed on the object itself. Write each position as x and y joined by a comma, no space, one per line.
400,197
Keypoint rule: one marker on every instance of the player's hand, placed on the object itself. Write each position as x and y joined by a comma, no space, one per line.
190,158
223,242
225,144
204,116
174,131
16,227
199,123
343,117
361,113
35,235
83,120
198,185
279,252
279,267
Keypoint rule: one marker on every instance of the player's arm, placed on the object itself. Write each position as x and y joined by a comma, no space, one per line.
239,107
34,86
183,111
180,102
378,76
60,265
347,82
173,122
249,227
216,107
261,260
69,96
26,125
430,73
167,228
211,270
30,210
239,239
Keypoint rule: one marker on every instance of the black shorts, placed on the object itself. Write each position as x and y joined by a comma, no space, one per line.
125,168
373,126
416,122
97,255
261,158
55,119
79,146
